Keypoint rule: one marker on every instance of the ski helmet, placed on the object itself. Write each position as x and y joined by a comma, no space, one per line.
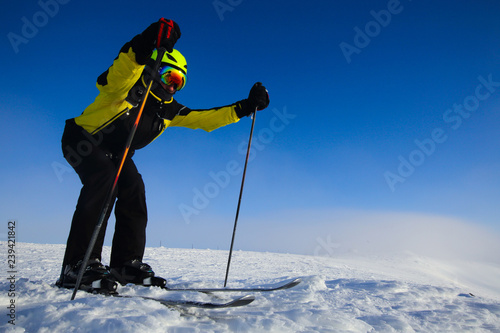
173,68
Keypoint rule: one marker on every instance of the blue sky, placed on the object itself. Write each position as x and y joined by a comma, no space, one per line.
378,108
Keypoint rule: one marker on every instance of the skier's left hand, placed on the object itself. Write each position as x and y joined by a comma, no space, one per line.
258,97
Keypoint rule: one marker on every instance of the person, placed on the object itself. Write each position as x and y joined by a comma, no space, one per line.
93,144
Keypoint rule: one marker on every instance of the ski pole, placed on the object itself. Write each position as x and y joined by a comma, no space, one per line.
239,199
111,193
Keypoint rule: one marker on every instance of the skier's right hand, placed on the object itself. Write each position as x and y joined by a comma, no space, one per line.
163,33
168,34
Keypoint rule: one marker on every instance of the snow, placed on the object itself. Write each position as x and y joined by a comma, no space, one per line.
344,293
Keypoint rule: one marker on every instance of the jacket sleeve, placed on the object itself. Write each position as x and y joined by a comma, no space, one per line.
130,61
209,119
115,83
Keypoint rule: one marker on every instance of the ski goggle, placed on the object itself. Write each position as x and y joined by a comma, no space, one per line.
172,76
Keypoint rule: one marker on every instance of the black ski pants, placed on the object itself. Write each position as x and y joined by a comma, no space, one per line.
96,167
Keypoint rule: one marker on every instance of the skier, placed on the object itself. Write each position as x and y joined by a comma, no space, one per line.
93,143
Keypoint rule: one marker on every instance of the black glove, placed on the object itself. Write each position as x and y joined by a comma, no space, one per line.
258,97
168,34
163,33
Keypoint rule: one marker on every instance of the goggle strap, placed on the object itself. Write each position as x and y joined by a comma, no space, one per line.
164,64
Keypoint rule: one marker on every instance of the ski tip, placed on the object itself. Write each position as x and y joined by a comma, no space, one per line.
244,300
294,282
290,284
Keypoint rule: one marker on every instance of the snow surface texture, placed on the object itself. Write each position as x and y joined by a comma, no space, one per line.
339,294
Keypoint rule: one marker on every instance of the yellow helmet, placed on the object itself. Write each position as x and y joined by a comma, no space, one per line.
173,68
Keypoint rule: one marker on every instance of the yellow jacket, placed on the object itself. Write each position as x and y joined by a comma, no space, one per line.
112,110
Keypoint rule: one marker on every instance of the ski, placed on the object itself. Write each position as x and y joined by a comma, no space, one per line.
240,301
110,290
282,286
107,288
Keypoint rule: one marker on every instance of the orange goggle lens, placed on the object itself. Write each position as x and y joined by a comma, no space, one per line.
173,76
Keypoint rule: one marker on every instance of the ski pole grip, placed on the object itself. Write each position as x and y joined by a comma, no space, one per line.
153,70
167,25
161,52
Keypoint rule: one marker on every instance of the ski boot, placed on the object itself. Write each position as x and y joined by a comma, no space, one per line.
96,278
137,272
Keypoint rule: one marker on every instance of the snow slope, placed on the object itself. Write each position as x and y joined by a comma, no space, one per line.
403,293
